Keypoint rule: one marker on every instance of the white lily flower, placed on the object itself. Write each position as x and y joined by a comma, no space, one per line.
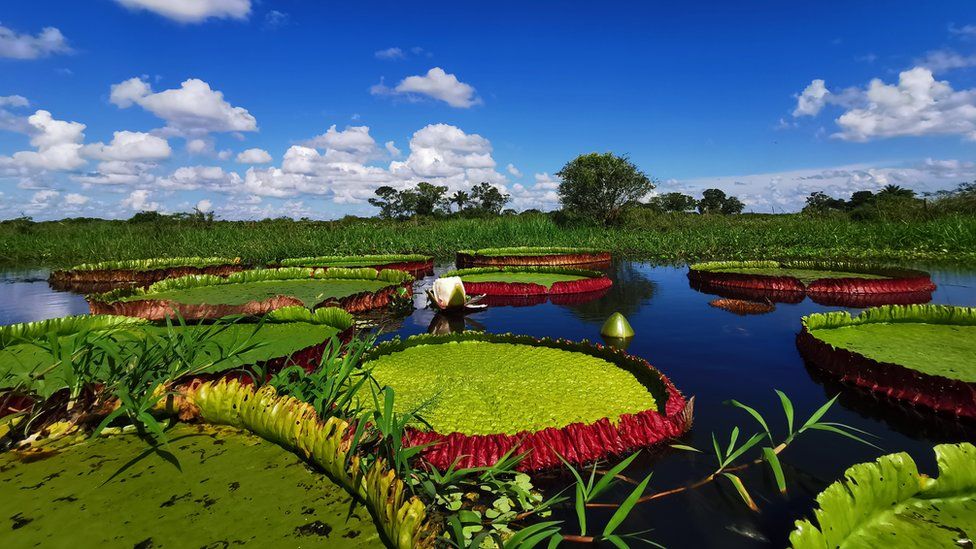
447,293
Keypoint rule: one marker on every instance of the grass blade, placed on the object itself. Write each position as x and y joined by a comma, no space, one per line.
773,460
624,510
787,409
741,489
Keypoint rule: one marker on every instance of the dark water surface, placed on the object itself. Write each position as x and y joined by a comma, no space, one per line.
708,353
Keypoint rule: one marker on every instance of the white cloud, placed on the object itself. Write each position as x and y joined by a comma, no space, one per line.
254,156
786,191
58,145
939,61
436,84
199,146
130,146
188,178
353,144
917,105
140,200
390,53
392,149
75,199
204,205
192,11
511,169
192,109
10,121
966,31
25,46
812,99
275,19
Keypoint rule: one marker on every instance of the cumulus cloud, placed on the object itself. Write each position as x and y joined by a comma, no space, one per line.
353,144
49,41
192,109
9,120
511,169
917,105
204,205
812,99
130,146
392,149
192,11
939,61
254,156
58,145
189,178
436,84
140,200
75,199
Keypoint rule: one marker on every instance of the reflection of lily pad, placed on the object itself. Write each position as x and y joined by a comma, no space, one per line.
482,393
631,290
115,492
255,292
743,307
888,503
922,354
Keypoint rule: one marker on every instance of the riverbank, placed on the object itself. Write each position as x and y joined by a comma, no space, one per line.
666,237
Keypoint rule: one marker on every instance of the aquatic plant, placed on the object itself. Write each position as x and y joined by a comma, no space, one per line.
889,499
616,326
416,264
527,255
523,281
91,276
920,354
484,394
448,293
250,292
326,443
743,307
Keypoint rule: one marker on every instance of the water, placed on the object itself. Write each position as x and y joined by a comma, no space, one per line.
708,353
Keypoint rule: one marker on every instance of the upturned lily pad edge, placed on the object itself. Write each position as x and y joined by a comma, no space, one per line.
592,281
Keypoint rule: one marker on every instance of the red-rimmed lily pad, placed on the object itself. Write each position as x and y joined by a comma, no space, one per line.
533,285
256,292
485,394
916,354
828,283
415,264
539,256
89,277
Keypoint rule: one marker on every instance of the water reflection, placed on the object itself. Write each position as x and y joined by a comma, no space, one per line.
631,290
452,323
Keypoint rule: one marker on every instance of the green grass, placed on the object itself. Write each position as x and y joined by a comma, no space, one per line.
678,237
276,340
231,489
545,279
805,276
480,388
310,292
352,260
935,349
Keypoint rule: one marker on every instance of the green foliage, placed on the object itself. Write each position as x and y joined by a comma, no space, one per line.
156,263
597,186
949,237
530,250
889,500
929,314
487,199
352,260
431,200
673,202
715,201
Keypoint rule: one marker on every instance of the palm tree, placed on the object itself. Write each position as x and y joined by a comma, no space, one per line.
460,198
896,191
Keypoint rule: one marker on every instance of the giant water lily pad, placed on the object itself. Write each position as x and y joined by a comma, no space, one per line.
529,281
532,256
108,274
256,292
415,264
231,489
828,283
287,335
888,503
922,354
483,394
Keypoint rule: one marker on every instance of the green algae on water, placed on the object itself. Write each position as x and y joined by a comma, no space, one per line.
234,489
481,388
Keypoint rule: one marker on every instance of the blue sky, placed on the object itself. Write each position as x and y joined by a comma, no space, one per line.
766,101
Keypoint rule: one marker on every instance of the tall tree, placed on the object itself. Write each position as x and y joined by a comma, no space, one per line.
676,202
711,201
429,199
388,201
461,199
598,186
489,198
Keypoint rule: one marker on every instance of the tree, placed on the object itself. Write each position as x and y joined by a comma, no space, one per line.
676,202
711,201
860,198
489,198
597,186
429,198
820,202
389,202
894,191
732,206
460,198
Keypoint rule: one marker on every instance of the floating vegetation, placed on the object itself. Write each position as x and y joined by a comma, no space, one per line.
485,394
415,264
743,307
108,274
920,354
531,281
877,503
533,256
256,292
828,283
115,491
449,295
